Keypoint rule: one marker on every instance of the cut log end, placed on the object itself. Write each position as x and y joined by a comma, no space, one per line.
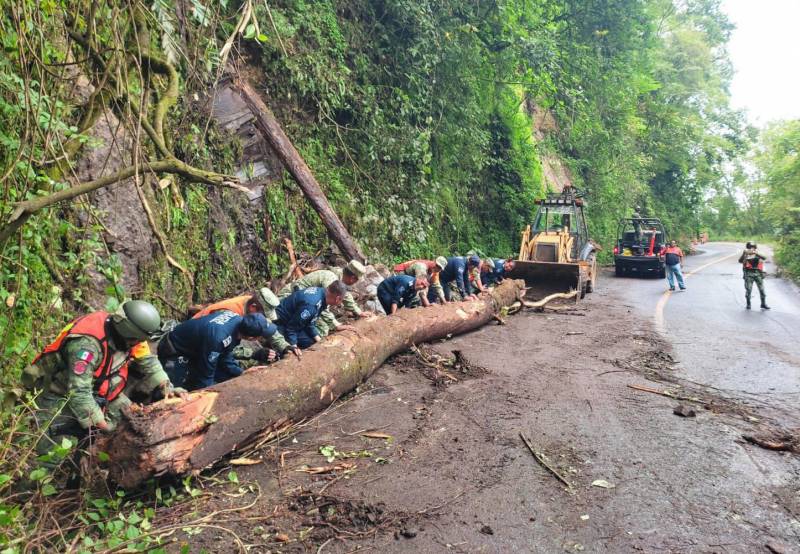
177,438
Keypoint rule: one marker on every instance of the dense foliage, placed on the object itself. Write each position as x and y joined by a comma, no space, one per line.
425,120
761,201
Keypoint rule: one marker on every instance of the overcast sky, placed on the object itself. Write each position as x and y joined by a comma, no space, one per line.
765,49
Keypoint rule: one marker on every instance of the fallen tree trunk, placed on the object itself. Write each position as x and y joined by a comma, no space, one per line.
175,437
271,130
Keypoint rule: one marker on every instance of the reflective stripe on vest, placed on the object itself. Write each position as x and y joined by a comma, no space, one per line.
237,305
94,325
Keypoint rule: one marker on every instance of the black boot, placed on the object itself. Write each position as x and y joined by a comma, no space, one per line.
764,304
748,304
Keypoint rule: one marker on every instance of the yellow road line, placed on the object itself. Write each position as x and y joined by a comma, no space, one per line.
660,326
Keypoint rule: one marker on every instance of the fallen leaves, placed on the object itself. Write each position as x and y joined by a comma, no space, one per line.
603,484
244,462
319,470
331,454
376,435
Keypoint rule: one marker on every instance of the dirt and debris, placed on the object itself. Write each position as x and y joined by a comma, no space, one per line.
684,411
441,455
333,517
772,440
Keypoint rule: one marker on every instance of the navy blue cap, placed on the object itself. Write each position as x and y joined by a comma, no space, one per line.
256,325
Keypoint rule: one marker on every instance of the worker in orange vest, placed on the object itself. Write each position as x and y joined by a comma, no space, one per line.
262,301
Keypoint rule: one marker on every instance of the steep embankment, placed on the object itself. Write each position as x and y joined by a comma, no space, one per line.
417,118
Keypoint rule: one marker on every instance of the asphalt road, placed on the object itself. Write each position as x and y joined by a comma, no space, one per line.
452,474
750,353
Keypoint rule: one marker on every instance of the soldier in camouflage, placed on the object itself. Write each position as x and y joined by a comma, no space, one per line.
753,272
349,275
87,374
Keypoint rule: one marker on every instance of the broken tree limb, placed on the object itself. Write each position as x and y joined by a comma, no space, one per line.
785,443
295,272
543,462
541,303
669,394
179,437
269,127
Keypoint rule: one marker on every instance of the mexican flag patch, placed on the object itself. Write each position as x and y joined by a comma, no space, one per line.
85,356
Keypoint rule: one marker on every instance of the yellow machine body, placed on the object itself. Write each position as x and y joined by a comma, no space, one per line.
554,254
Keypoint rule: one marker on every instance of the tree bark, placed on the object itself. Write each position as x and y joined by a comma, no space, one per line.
176,437
269,127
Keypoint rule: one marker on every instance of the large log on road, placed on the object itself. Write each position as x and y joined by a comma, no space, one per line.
269,127
175,437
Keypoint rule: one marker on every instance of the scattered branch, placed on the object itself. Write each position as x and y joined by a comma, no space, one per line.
543,461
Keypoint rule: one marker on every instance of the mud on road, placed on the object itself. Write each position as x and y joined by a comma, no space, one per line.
427,457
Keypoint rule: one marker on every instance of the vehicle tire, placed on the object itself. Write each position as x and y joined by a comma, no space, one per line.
662,273
618,271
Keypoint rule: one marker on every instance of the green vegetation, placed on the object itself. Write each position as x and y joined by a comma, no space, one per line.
762,201
425,120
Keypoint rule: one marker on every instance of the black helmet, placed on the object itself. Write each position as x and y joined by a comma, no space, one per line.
136,320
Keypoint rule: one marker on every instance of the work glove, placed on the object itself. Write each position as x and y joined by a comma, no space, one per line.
264,355
294,350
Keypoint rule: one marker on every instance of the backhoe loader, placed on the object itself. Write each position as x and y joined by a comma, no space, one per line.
555,253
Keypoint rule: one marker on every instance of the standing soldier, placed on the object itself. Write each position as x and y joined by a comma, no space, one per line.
349,275
88,371
753,272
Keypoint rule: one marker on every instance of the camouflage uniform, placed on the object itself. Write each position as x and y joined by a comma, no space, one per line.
67,407
754,276
322,278
419,269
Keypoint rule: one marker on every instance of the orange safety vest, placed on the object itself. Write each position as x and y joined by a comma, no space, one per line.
401,267
94,325
430,264
748,264
237,305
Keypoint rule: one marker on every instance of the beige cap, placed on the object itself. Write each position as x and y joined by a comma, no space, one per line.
356,268
268,299
441,261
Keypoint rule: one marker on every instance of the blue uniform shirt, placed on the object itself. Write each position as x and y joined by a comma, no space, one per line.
456,270
208,343
397,289
494,275
299,311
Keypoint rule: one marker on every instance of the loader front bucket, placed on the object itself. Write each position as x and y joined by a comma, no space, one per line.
544,278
